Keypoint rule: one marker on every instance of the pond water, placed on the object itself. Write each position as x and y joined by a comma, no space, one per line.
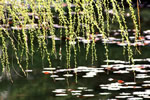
115,81
101,81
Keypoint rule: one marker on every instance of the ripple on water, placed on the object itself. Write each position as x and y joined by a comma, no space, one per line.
115,84
61,95
59,79
123,97
88,95
105,93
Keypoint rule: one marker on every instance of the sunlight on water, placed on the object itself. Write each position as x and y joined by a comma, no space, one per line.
116,67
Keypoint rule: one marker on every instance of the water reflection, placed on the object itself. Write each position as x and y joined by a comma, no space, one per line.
119,84
119,80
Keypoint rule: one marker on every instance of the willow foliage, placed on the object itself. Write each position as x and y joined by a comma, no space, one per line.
23,22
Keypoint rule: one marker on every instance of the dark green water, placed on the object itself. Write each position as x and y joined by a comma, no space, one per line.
91,80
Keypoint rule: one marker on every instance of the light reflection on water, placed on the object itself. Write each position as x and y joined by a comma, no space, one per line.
126,88
115,81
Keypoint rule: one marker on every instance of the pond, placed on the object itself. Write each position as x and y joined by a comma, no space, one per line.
112,79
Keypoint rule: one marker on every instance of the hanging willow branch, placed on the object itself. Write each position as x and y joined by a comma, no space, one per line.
24,22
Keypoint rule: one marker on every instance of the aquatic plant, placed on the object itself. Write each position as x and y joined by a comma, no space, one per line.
29,23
